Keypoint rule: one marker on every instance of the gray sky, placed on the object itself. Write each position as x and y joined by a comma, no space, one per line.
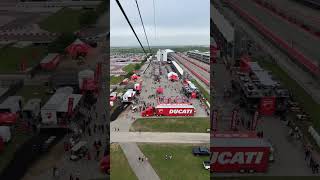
178,22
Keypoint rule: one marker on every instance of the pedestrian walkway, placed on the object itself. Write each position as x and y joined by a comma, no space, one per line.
161,137
143,170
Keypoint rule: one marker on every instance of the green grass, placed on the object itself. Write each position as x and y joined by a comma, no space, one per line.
65,20
183,165
29,92
167,124
10,149
129,68
120,168
11,57
201,89
116,79
309,105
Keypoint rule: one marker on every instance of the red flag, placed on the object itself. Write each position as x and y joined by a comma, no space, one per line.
70,105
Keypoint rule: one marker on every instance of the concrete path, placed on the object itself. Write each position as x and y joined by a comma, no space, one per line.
160,137
143,170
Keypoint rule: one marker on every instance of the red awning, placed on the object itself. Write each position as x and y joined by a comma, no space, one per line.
77,47
8,118
134,77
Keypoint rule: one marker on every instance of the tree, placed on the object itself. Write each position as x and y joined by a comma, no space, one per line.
87,18
63,41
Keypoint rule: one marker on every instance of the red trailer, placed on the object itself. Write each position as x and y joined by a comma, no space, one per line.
50,61
170,110
239,154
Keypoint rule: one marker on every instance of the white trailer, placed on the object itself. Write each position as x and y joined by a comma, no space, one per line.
57,104
5,133
12,104
129,95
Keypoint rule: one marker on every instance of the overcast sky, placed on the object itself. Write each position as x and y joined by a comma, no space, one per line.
178,22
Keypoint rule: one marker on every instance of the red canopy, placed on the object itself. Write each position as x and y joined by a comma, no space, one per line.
244,63
193,95
134,77
8,118
105,164
159,90
77,47
137,87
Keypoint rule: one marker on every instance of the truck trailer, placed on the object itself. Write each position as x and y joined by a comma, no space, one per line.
170,110
237,154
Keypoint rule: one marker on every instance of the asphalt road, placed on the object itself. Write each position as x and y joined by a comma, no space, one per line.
298,38
160,137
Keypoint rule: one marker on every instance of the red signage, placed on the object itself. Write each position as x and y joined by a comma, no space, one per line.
267,105
235,159
70,105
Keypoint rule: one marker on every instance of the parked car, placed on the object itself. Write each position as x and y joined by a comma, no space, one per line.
206,165
201,151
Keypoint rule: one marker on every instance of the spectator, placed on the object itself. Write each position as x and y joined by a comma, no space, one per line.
71,177
54,171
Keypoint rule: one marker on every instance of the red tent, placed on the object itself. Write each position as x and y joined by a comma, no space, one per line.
134,77
137,87
193,95
8,118
244,63
78,47
159,90
105,164
173,76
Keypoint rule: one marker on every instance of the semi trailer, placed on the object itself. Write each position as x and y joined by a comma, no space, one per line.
169,110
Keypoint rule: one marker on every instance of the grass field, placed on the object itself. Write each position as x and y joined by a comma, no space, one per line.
182,166
29,92
167,124
201,89
310,106
11,57
120,168
10,148
116,79
65,20
129,68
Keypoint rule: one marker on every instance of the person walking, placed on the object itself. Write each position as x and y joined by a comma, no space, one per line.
307,154
70,177
54,169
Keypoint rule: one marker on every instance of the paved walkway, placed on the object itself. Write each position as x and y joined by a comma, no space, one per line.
143,170
161,137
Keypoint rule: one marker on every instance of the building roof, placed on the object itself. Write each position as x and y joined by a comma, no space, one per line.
180,70
11,100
